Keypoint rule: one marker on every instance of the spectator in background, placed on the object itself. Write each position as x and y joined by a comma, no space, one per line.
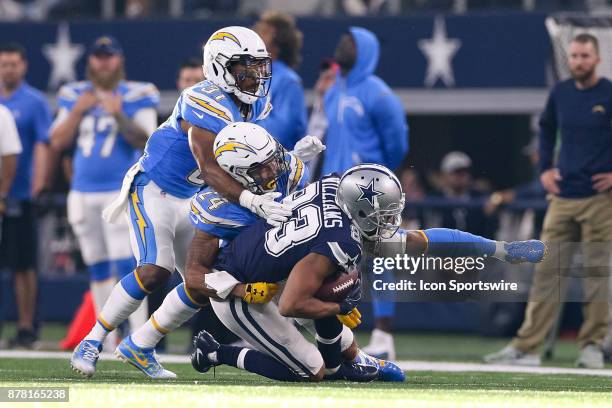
287,120
190,73
110,120
412,217
366,121
579,111
531,190
458,186
366,124
18,247
317,122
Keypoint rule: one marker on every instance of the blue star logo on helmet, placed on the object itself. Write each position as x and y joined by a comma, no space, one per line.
368,193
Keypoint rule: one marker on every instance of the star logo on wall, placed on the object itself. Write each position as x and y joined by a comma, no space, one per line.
368,193
63,56
439,51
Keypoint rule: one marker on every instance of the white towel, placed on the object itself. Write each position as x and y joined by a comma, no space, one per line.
119,205
220,281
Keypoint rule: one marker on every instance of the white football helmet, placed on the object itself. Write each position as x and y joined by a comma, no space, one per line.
251,156
232,46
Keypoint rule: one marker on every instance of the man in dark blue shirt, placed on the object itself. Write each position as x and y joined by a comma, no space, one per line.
579,112
18,246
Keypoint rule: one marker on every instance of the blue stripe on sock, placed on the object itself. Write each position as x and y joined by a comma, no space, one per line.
180,289
99,271
131,286
281,348
254,337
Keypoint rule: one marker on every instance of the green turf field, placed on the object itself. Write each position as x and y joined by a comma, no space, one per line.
117,384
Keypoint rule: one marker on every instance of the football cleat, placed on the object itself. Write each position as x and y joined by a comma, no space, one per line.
203,344
354,372
387,371
85,357
143,359
532,251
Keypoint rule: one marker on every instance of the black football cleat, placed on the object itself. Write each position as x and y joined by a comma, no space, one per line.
203,344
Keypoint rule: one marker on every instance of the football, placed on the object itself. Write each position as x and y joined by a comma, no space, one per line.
336,287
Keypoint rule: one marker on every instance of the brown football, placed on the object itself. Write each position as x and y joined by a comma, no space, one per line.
336,287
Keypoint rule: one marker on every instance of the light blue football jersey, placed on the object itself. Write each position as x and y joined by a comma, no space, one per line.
168,160
215,215
102,155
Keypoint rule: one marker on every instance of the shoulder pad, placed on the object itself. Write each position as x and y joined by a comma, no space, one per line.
207,104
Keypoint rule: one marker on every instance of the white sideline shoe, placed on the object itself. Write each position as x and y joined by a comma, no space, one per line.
512,356
381,345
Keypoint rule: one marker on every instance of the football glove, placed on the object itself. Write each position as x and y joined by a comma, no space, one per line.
351,320
307,148
265,206
259,292
351,299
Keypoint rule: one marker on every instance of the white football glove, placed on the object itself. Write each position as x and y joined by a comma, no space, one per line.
307,148
265,206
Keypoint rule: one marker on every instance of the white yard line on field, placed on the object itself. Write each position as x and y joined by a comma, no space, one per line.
407,365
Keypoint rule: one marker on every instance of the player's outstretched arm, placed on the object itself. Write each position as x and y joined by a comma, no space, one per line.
455,243
297,299
201,142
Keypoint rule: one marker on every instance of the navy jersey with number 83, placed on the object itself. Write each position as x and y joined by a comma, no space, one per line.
264,253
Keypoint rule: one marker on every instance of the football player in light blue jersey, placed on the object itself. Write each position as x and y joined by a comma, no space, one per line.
178,160
110,119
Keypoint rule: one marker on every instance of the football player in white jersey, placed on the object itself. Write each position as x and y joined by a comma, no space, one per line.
109,120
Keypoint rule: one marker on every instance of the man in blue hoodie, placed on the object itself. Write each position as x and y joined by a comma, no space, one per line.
366,124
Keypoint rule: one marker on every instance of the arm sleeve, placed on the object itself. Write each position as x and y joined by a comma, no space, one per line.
10,143
455,243
287,121
548,133
390,122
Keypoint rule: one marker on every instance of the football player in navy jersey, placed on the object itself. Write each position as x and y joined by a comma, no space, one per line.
177,161
330,220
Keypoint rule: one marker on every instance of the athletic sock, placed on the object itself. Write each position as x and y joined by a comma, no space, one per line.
124,299
329,335
255,362
175,310
101,283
